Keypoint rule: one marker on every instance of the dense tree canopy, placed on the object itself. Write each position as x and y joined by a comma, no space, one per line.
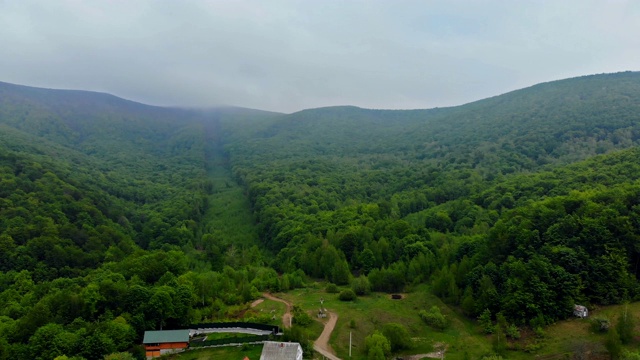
117,217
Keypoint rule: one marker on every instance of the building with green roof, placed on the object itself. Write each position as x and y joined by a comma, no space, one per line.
158,343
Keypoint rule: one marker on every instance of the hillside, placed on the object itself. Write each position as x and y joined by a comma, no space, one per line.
425,195
106,222
118,217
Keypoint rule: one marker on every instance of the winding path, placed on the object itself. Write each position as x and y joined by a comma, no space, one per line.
286,318
321,345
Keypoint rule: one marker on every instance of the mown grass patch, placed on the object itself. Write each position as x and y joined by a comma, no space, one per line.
228,353
368,313
268,311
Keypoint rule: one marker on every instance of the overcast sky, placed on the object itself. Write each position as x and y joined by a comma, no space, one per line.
290,55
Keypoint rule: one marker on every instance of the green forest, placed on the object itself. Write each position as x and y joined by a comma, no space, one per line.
118,217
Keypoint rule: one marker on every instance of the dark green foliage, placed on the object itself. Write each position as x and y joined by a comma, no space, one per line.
361,286
613,344
500,336
377,346
485,322
434,318
625,326
300,317
101,209
114,215
474,197
347,295
600,324
332,288
398,336
513,332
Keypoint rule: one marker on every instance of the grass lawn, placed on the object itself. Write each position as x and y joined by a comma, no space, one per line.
228,353
272,309
372,312
575,334
463,337
223,335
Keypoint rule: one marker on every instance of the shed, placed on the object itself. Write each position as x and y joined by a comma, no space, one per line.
158,343
274,350
580,311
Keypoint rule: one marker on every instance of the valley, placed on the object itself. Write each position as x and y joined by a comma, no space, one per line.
492,219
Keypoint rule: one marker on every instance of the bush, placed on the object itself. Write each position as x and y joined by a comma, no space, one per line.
513,332
377,343
600,324
398,336
434,318
332,288
347,295
360,285
539,331
485,322
300,317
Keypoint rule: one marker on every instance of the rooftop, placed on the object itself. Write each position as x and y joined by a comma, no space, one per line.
273,350
165,336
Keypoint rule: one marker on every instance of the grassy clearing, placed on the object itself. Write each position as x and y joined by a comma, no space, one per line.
575,334
268,310
228,353
369,313
463,337
229,214
221,335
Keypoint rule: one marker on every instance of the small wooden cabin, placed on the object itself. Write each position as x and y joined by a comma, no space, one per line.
162,342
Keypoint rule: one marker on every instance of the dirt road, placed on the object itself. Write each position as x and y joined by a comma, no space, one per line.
286,318
256,303
433,355
322,344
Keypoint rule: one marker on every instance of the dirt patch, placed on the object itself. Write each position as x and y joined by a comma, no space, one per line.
286,318
256,303
440,348
322,344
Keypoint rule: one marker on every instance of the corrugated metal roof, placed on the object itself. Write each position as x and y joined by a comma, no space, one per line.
165,336
280,351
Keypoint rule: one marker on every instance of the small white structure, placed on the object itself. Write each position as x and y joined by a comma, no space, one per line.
274,350
580,311
322,313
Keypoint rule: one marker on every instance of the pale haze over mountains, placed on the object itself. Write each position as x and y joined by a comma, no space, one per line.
290,55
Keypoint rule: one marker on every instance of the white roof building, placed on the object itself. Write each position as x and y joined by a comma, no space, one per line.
274,350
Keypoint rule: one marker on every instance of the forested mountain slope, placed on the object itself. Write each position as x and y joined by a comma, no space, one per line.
110,209
439,195
101,223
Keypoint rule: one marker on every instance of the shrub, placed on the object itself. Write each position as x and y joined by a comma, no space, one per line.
398,336
513,332
539,331
485,322
332,288
360,285
600,324
347,295
377,342
434,318
300,317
